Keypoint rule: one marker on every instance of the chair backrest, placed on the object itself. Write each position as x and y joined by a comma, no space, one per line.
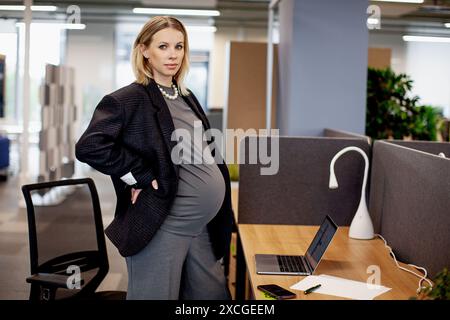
66,231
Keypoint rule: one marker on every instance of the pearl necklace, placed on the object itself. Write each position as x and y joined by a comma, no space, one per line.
169,96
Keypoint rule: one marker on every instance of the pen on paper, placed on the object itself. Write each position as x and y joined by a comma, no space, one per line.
309,290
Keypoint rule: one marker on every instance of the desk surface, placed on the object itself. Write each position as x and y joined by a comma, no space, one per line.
345,257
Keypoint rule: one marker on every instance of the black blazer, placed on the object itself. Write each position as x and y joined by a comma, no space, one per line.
130,132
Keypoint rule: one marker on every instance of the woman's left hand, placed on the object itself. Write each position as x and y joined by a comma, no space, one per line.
134,194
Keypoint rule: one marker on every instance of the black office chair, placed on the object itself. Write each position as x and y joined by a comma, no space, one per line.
68,254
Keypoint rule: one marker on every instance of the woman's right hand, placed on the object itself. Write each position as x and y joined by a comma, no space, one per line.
135,192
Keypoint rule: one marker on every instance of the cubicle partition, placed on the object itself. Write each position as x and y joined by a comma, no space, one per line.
410,201
215,118
432,147
334,133
299,194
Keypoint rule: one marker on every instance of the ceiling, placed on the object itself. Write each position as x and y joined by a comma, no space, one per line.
428,16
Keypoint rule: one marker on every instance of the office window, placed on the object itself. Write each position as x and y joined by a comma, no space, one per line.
124,36
197,79
8,48
45,47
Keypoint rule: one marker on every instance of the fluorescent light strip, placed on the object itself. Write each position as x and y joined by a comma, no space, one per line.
73,26
447,25
402,1
12,8
43,8
211,29
69,26
177,12
22,8
426,39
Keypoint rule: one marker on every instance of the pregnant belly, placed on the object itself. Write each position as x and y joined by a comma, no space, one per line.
201,190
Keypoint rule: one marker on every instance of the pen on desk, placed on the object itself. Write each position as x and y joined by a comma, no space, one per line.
309,290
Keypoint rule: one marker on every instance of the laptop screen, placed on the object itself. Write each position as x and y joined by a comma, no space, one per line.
320,242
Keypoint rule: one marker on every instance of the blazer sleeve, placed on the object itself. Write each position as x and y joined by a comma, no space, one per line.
99,146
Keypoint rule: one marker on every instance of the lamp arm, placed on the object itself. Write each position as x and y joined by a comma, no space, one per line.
366,166
361,226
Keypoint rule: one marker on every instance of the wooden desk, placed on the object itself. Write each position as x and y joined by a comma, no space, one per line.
235,199
345,257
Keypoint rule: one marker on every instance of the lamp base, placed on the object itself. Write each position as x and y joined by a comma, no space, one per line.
361,227
361,237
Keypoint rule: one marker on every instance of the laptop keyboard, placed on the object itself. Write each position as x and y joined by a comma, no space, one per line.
290,264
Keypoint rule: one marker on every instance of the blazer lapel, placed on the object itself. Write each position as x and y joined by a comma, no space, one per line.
188,99
163,114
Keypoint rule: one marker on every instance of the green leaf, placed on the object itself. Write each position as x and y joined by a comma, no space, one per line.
392,111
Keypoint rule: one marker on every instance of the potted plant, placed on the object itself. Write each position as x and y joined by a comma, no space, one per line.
233,169
440,289
392,112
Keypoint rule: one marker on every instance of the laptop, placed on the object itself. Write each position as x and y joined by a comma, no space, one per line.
299,265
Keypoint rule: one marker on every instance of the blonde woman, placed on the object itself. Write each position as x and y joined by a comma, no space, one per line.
172,220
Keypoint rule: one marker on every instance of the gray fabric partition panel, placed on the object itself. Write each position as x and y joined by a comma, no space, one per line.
433,147
410,204
333,133
215,118
299,193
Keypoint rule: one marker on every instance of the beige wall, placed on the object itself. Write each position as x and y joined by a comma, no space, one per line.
216,97
379,58
246,99
246,93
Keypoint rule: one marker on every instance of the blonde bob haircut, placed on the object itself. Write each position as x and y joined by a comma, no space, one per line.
141,66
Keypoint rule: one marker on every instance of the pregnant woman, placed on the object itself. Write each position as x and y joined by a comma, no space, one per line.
173,216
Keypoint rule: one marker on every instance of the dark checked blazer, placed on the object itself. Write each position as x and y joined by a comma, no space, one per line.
130,132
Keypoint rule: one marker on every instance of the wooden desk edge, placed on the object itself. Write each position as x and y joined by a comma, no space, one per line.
404,284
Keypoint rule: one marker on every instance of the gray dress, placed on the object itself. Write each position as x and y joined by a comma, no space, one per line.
179,262
201,187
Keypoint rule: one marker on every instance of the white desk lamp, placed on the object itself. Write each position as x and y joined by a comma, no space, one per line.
361,226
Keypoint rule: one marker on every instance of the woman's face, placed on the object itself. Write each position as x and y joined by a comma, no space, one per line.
165,53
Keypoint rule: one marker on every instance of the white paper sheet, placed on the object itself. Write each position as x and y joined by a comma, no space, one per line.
341,287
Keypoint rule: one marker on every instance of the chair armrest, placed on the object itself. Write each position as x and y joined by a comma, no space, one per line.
50,279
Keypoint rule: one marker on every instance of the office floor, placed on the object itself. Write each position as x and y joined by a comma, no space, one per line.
14,250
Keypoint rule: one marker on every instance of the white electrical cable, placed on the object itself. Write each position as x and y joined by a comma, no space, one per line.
422,277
